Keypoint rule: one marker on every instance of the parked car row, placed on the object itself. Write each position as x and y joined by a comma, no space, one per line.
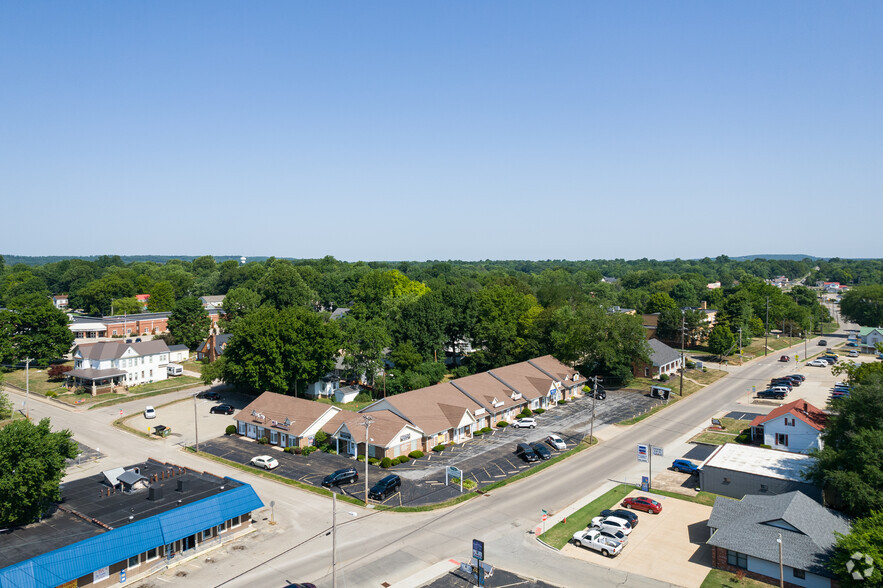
780,387
608,533
531,452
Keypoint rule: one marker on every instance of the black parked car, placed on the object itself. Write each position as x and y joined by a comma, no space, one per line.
222,409
777,394
540,449
344,476
211,396
623,514
525,452
386,486
600,394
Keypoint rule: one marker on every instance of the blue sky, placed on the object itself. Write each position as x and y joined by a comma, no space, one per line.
446,130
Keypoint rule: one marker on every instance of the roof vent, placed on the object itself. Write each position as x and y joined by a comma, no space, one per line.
154,493
182,485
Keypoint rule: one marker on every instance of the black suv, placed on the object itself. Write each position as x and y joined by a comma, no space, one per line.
344,476
623,514
541,450
525,452
778,394
386,486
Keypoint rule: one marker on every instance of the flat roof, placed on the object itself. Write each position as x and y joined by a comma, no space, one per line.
89,507
769,463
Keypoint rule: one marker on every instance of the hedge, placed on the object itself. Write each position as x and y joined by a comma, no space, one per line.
416,454
438,448
502,424
385,462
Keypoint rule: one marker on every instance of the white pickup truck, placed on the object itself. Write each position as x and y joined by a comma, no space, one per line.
594,540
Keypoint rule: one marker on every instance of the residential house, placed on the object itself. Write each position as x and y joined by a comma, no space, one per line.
213,347
869,338
213,302
737,470
663,361
178,353
119,524
60,301
796,427
748,536
104,366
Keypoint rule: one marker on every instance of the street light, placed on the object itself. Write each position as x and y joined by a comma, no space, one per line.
781,571
196,422
366,421
334,537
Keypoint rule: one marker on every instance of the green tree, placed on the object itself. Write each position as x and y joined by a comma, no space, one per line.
863,305
6,406
405,357
211,371
282,286
34,328
189,322
239,302
721,340
130,305
363,344
849,463
865,538
504,317
162,297
280,350
659,301
32,464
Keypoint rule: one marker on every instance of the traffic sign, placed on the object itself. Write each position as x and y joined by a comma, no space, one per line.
643,451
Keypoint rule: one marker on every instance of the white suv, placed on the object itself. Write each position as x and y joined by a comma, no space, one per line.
525,423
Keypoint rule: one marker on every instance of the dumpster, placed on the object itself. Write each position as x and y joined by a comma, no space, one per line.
162,430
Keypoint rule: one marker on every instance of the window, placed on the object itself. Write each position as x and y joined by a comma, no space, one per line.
726,480
152,554
789,422
764,488
114,332
781,439
207,534
736,559
133,561
799,573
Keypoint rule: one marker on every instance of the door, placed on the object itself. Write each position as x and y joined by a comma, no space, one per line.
252,432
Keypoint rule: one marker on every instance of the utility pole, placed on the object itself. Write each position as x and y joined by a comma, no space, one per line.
781,570
766,334
683,330
334,537
28,388
366,421
195,423
594,395
740,345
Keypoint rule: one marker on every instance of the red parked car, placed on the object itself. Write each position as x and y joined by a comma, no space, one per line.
643,503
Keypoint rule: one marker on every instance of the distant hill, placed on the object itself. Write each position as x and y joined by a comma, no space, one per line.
161,259
777,256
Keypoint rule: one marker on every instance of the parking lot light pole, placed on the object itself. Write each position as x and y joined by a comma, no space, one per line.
195,422
334,537
366,420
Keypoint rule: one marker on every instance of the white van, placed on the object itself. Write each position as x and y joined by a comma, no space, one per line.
173,369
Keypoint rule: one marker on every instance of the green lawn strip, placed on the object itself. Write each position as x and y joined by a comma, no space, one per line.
119,399
735,426
36,380
560,534
717,438
705,498
354,406
725,579
277,478
705,377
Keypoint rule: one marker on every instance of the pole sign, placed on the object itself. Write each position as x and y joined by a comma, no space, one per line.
643,452
657,451
478,549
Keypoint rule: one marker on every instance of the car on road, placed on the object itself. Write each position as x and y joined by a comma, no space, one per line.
211,396
642,503
149,412
526,452
541,450
612,524
525,423
818,363
784,358
222,409
264,461
684,465
852,344
593,539
556,442
341,476
621,513
385,487
770,393
823,343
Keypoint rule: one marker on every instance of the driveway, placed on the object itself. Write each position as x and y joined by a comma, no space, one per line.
669,547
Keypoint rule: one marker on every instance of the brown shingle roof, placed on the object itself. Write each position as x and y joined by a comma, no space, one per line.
384,429
484,388
557,370
277,407
422,407
531,382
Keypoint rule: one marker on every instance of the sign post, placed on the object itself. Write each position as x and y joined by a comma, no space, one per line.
478,555
455,473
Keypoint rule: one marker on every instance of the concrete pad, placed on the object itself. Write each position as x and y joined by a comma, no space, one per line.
669,547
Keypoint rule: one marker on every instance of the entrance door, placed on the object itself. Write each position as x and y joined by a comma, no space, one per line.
252,432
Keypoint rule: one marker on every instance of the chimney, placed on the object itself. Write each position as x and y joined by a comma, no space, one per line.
703,305
805,407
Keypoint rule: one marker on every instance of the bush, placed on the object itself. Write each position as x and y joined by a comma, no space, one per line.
526,413
691,364
320,440
230,430
403,459
331,451
487,430
663,377
562,402
57,371
307,450
297,450
540,410
461,371
363,397
438,448
743,438
502,425
360,458
51,394
385,462
416,454
766,447
373,461
263,441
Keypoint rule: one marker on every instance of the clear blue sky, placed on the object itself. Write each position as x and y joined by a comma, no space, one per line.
441,130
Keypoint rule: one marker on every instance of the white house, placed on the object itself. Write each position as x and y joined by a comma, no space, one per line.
178,353
796,427
346,394
869,337
114,363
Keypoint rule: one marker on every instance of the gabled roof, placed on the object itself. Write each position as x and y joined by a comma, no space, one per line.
303,414
801,409
526,379
433,409
661,354
116,349
752,526
385,430
865,331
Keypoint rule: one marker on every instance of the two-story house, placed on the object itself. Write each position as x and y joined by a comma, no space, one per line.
795,427
869,337
106,365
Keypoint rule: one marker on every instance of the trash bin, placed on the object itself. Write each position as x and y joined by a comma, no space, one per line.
162,430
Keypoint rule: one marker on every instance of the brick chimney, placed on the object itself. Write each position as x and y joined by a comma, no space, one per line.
703,305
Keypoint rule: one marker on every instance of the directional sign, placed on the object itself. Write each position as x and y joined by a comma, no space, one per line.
657,451
643,452
478,549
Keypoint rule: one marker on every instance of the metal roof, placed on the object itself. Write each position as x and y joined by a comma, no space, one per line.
76,560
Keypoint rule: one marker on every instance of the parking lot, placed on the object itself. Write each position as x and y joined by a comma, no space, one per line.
485,460
669,547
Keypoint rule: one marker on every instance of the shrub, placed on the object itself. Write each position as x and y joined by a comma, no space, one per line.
468,483
691,364
477,433
360,458
307,450
373,461
526,413
416,454
461,371
332,451
57,371
385,462
562,401
321,439
743,438
487,430
502,425
263,441
540,410
766,447
363,397
403,459
663,377
438,448
297,450
52,394
230,430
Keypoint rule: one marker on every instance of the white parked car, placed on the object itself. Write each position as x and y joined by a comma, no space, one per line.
149,412
817,363
594,540
853,353
265,461
612,524
556,442
525,423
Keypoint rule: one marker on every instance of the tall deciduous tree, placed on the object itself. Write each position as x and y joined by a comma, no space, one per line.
32,464
34,328
189,322
865,538
279,350
864,305
721,340
162,297
239,302
363,343
282,286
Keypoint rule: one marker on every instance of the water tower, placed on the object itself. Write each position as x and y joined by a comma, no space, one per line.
242,260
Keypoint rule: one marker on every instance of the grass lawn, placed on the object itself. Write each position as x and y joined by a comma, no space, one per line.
724,579
177,383
192,366
39,381
354,405
713,438
560,534
705,498
705,378
735,426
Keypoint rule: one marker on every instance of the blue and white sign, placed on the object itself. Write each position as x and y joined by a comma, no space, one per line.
478,549
643,452
645,484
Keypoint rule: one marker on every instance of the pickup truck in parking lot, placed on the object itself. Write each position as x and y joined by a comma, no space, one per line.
593,539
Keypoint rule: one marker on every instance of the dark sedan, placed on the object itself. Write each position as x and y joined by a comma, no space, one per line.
222,409
541,450
211,396
622,514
